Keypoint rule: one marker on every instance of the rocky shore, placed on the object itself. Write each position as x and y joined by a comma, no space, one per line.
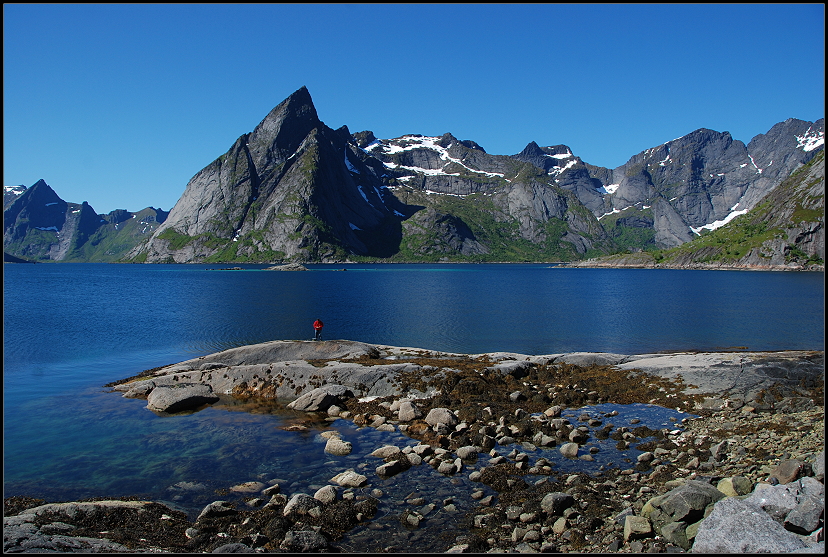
746,475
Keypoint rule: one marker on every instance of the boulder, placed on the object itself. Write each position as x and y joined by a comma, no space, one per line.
177,398
216,509
776,500
326,494
468,452
338,447
304,541
636,527
738,526
387,451
556,503
321,398
569,450
516,369
349,478
790,470
734,486
441,416
685,503
390,468
301,504
408,411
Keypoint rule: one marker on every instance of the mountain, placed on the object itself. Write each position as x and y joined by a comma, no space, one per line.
38,225
784,230
295,190
665,196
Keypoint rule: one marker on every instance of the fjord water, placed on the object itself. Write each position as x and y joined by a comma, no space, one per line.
71,328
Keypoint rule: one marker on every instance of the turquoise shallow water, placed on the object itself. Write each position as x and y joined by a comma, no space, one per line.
71,328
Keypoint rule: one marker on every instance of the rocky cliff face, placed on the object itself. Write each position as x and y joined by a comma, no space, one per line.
699,181
294,189
38,225
784,230
291,189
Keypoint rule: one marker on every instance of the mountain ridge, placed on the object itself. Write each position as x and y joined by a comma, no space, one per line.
296,190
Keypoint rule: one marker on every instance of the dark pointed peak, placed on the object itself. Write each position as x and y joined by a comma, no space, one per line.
42,191
472,145
298,106
364,138
344,134
447,139
531,150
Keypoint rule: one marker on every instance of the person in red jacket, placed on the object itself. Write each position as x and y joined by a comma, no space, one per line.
317,327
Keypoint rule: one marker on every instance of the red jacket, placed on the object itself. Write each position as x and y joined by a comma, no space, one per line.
317,324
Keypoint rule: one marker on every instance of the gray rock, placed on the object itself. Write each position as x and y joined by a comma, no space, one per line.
636,527
212,366
181,397
216,509
818,466
676,534
556,503
301,504
304,541
569,450
738,526
468,452
408,411
685,503
21,534
441,416
776,500
287,267
806,516
349,478
321,398
388,451
326,494
140,389
390,469
516,369
338,447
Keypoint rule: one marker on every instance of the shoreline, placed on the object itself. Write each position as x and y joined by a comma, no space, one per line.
513,387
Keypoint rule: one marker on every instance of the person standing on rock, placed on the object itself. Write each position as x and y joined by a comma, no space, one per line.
317,327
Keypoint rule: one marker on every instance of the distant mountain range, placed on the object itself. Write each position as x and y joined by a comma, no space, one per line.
40,226
295,190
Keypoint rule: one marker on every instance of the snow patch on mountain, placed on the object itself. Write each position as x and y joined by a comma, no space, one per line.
411,142
809,140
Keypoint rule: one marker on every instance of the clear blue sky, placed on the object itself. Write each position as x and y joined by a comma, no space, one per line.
120,105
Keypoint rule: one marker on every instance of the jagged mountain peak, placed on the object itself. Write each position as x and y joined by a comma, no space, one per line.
532,149
295,189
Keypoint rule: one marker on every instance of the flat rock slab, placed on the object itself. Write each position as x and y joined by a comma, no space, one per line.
284,350
290,369
735,375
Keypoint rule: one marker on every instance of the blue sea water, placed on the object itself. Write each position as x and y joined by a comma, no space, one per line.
71,328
